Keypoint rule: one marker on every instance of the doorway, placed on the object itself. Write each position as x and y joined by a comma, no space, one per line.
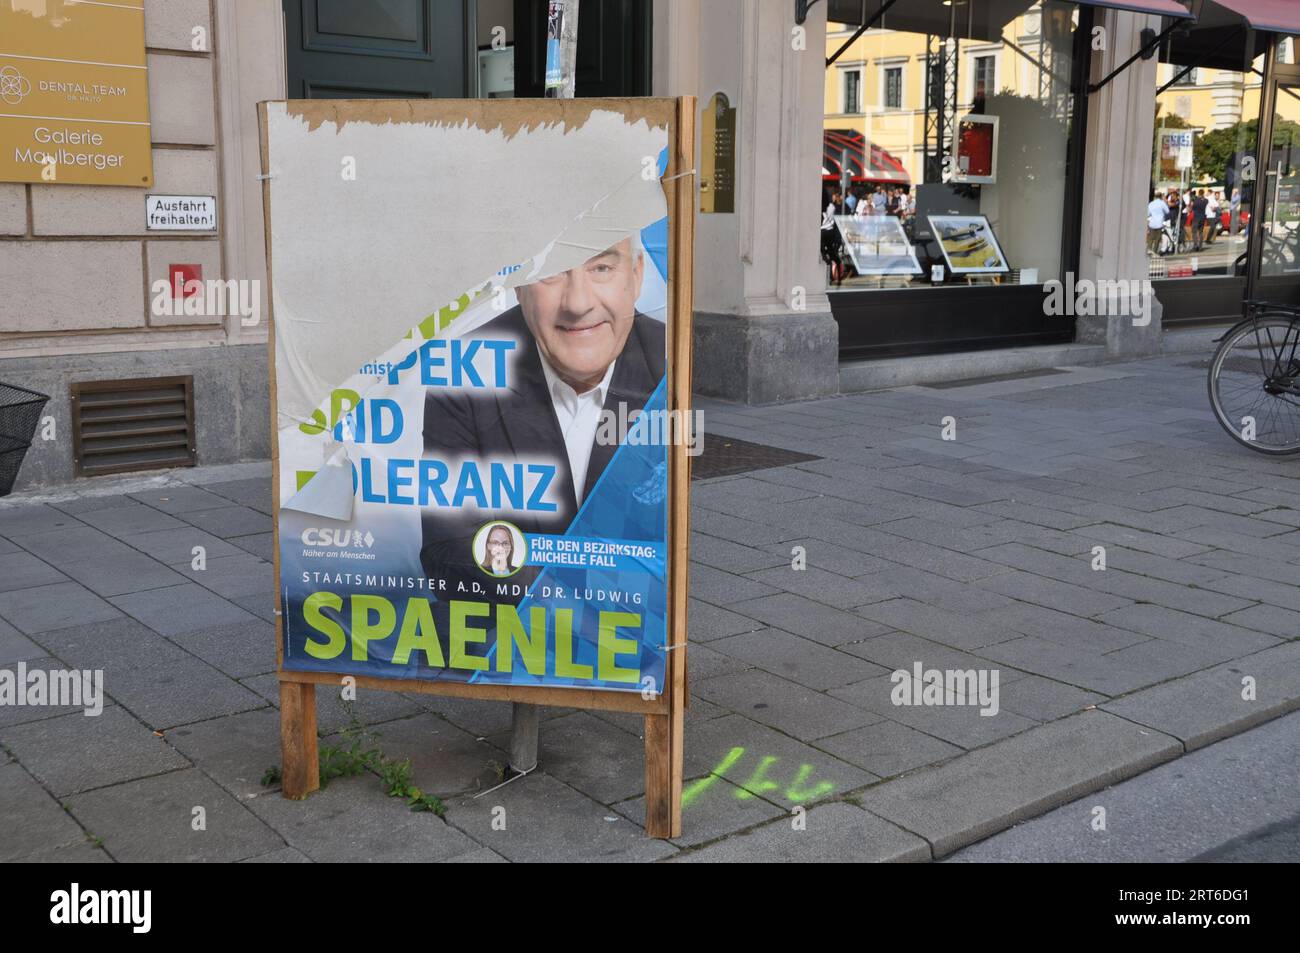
377,49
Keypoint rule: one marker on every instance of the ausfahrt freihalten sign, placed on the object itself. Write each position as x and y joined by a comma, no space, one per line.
480,389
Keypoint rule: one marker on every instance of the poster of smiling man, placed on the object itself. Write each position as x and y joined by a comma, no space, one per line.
475,416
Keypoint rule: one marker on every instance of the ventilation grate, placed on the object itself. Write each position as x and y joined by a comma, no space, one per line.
133,425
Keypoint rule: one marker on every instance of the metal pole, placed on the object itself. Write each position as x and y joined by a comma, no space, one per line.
561,48
523,738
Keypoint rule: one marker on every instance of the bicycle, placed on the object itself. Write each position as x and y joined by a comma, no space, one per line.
1254,379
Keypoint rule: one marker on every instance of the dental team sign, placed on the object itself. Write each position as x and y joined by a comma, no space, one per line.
471,394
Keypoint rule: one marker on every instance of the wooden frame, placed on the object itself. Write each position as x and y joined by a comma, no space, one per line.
664,714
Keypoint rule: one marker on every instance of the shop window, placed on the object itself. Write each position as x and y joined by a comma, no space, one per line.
961,180
1204,158
1279,236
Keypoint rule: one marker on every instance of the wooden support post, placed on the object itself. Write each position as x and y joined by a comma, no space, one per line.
523,737
664,733
298,752
658,778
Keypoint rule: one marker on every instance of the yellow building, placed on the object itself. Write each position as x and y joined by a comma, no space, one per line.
878,85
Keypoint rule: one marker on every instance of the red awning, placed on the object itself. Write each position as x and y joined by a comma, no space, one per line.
1280,16
867,161
1166,8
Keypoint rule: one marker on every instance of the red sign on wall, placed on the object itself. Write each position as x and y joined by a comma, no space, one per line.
186,280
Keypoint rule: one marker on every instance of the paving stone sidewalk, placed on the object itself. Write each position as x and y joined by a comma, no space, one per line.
973,553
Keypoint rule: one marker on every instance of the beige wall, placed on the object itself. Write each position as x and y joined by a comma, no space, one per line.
751,261
76,261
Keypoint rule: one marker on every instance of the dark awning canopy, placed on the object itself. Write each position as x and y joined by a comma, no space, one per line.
1165,8
1279,16
1219,39
969,19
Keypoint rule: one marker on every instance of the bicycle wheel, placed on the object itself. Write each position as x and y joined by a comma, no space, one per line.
1253,378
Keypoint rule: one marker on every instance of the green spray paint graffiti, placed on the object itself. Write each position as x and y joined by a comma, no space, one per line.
759,782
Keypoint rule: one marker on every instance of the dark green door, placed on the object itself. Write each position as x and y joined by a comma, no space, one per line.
613,48
375,49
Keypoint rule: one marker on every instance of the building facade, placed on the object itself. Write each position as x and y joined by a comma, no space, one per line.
1069,106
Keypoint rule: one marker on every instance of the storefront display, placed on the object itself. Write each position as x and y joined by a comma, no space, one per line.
969,246
877,245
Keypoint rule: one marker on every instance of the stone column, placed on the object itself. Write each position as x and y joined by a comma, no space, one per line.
1117,185
763,327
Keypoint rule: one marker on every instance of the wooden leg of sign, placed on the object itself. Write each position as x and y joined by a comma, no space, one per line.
523,737
663,774
301,763
658,776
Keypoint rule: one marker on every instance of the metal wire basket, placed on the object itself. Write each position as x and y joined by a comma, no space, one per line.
20,412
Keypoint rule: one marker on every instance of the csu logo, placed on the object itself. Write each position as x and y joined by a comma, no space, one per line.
343,538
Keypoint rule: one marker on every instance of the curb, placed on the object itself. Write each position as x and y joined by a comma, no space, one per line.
993,788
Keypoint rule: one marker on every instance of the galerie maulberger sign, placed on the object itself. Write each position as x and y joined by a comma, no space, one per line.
74,94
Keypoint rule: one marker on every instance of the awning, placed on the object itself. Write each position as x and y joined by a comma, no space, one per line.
1164,8
983,20
1279,16
867,162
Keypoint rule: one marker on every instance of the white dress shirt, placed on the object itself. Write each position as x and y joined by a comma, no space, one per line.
579,416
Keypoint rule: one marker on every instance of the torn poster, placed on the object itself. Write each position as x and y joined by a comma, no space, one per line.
470,308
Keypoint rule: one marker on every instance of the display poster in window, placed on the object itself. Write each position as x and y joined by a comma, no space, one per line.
877,245
976,161
969,245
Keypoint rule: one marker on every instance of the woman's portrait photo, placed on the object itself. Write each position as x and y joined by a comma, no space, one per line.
499,549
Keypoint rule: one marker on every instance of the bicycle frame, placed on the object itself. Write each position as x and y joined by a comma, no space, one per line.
1282,375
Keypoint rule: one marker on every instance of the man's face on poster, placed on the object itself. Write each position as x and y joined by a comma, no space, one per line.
581,317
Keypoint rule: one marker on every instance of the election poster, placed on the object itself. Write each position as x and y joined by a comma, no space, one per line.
471,334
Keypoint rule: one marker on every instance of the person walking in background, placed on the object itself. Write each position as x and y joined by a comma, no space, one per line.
1234,217
1199,205
1213,208
1173,212
831,241
1157,215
